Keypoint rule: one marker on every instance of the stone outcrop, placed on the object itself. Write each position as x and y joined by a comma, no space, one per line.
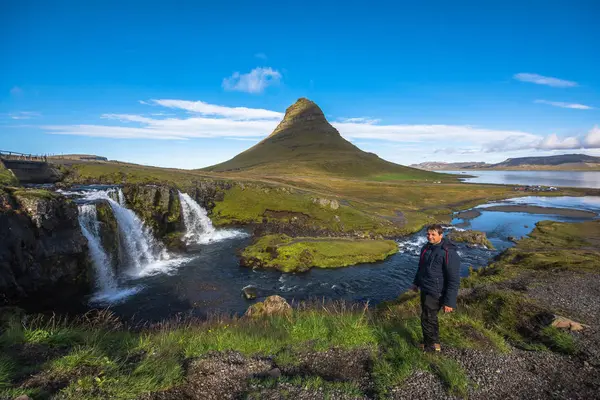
566,323
158,206
109,232
475,238
43,254
272,305
207,193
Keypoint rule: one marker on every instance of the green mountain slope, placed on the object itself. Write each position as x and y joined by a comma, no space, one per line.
305,143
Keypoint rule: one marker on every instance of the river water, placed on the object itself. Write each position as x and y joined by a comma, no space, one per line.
588,179
208,279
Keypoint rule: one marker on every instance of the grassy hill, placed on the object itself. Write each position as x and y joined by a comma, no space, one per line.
305,143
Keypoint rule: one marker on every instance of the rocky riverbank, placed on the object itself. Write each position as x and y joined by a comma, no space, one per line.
43,253
505,341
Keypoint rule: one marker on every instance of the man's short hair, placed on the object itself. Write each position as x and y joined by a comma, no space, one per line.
436,227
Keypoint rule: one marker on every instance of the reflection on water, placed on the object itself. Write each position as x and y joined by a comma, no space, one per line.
588,179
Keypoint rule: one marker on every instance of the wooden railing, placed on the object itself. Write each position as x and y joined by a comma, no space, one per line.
13,155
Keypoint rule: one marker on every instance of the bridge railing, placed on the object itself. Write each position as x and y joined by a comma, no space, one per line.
13,155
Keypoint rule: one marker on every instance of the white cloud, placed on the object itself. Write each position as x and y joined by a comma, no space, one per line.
592,139
24,115
544,80
202,108
565,105
206,120
360,120
16,91
553,142
255,81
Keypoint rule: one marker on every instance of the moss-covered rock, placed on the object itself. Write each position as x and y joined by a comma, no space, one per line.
158,206
471,237
109,232
300,254
6,176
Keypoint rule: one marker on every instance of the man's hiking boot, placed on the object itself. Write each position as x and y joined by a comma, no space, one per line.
436,348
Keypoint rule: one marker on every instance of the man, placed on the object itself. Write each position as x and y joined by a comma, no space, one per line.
438,277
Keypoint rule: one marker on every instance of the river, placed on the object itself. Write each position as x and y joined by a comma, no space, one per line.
208,279
587,179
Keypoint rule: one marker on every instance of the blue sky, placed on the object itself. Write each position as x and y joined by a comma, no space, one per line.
190,83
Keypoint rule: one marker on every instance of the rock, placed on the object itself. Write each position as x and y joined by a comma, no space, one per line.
512,239
566,323
43,253
272,305
109,231
471,238
23,397
158,206
333,204
249,292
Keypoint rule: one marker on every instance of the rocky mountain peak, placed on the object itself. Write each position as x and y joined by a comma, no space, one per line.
303,113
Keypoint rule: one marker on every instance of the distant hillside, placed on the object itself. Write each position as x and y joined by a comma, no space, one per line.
548,161
80,157
304,143
565,162
444,166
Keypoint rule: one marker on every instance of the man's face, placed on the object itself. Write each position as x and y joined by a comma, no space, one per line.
434,237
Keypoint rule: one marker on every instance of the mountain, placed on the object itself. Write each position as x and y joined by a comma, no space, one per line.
304,142
445,166
548,161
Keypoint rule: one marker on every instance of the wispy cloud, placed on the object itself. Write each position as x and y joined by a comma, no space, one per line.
16,91
544,80
206,120
24,115
262,56
255,81
561,104
592,139
360,120
589,140
203,108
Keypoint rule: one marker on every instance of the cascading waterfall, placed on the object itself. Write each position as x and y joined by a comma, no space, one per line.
90,227
106,282
139,253
198,227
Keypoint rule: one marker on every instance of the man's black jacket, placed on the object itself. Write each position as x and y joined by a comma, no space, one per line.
439,272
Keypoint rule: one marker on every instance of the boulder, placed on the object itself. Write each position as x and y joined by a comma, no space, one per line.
566,323
271,306
471,238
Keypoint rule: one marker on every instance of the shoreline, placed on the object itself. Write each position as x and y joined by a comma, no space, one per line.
529,209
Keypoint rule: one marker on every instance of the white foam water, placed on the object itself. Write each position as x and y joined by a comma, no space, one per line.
198,227
106,282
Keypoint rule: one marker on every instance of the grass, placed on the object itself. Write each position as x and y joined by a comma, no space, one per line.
34,194
6,176
389,205
300,254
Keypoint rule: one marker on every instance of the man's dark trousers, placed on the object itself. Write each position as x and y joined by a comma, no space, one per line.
430,306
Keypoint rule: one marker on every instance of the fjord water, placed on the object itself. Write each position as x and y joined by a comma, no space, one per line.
587,179
208,279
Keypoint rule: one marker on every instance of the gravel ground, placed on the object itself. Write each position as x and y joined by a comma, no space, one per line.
518,374
578,294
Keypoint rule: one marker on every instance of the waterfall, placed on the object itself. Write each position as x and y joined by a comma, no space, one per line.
139,248
198,227
90,228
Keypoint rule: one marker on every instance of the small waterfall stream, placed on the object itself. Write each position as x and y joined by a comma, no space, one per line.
198,227
90,227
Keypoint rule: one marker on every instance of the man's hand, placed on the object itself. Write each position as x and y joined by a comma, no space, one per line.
448,309
414,288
